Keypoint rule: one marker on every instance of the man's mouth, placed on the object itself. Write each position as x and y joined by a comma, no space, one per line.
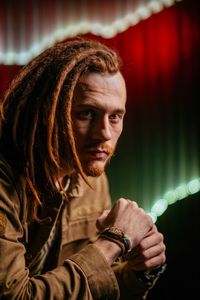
100,152
97,154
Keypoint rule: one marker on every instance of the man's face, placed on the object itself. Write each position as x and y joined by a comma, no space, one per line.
97,114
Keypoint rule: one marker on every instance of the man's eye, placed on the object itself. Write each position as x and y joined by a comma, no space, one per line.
115,118
86,115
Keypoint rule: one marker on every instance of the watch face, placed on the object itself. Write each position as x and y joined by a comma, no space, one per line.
151,275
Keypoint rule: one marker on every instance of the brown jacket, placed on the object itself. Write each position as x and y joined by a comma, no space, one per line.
74,268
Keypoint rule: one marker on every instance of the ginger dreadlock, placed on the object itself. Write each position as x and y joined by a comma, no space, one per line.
35,112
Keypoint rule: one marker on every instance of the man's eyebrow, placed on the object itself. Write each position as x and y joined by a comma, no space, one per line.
91,104
84,86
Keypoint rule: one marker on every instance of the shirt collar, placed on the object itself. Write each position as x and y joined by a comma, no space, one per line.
78,185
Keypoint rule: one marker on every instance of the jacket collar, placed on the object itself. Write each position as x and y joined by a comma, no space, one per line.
78,185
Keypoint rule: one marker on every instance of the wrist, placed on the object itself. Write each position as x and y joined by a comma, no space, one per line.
119,237
109,249
151,275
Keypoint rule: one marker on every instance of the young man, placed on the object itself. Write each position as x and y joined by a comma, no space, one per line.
59,239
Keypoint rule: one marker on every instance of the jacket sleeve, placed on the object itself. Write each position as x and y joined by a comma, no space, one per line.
77,278
131,286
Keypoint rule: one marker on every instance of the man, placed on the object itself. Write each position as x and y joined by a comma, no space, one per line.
60,122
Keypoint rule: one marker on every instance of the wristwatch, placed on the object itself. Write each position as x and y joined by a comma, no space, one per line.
149,276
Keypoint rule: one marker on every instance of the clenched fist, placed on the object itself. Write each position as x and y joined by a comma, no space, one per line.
128,217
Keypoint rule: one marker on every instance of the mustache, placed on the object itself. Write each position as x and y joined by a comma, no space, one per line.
101,147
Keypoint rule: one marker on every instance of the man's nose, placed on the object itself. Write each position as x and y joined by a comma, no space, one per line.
101,129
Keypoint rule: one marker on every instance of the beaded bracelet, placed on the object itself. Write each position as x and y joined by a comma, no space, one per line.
119,237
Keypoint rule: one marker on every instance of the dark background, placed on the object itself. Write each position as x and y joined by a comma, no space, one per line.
180,225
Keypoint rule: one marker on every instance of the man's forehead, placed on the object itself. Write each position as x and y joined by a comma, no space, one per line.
93,81
102,90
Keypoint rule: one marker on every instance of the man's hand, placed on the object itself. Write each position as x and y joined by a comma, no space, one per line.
149,253
128,217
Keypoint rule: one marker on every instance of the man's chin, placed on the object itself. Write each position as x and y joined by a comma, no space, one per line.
94,169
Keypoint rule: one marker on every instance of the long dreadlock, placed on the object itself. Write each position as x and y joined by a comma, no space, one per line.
35,112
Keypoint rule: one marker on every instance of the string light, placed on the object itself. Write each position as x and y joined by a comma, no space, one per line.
170,197
143,11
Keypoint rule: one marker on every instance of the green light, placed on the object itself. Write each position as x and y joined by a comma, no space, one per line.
181,192
153,216
193,186
170,196
159,207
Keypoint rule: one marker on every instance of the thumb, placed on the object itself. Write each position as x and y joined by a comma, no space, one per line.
100,223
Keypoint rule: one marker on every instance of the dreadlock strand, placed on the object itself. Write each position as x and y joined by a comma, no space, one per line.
32,189
33,129
55,96
25,71
25,97
69,125
56,142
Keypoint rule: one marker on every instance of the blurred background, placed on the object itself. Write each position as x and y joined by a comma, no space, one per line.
157,162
